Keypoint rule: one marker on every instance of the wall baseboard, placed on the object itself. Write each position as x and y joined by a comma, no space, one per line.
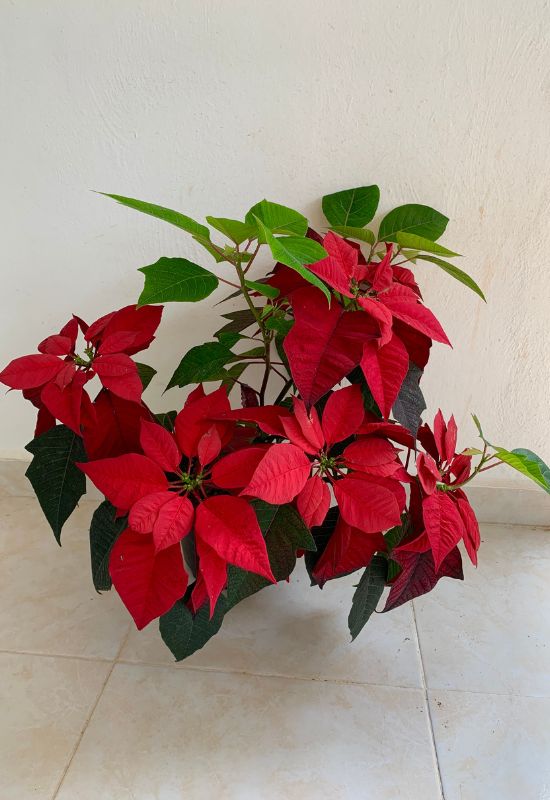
497,504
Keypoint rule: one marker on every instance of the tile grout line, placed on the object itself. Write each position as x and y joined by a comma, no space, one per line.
69,656
427,703
90,715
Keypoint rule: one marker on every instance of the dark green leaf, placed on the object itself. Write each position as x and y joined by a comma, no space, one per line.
410,403
57,482
146,374
394,536
412,218
367,595
351,207
105,529
235,230
176,280
321,535
166,214
277,219
233,374
455,272
238,321
202,363
348,232
530,467
279,324
411,240
228,338
184,633
167,419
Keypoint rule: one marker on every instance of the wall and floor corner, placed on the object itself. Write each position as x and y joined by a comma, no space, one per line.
209,107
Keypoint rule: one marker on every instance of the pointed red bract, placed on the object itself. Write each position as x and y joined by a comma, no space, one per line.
65,404
372,455
159,445
313,501
119,374
343,414
404,305
280,476
348,549
56,345
212,575
209,446
268,418
125,479
367,505
115,427
148,583
144,512
196,418
28,372
236,469
472,538
309,423
419,575
230,527
444,525
174,521
116,343
338,269
428,473
324,344
385,369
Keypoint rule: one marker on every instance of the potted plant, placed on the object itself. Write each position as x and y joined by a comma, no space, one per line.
325,458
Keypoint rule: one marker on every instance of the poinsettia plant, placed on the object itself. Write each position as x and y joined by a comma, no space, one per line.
325,459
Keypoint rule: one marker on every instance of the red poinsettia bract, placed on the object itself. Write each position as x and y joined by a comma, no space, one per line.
167,493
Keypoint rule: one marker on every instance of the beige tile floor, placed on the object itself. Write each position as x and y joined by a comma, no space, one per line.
449,700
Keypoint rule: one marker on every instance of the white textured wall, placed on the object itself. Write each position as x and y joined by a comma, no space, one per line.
208,106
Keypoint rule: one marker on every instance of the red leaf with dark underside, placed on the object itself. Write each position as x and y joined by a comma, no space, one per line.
159,445
419,576
28,372
119,374
209,446
174,521
230,527
196,418
348,549
373,455
211,578
404,305
125,479
116,427
144,512
148,583
367,505
444,525
280,476
343,414
236,469
324,344
472,538
267,418
313,501
428,473
384,369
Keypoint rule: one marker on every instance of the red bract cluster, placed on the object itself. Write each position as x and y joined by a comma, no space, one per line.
207,506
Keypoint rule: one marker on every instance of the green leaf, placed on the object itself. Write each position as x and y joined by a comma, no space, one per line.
367,595
348,232
412,218
202,363
238,321
254,352
456,273
105,529
415,242
211,248
394,536
166,214
228,338
263,288
351,207
56,480
478,426
472,451
530,467
295,251
184,633
167,419
233,374
279,324
285,532
277,219
176,280
146,374
235,230
530,456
